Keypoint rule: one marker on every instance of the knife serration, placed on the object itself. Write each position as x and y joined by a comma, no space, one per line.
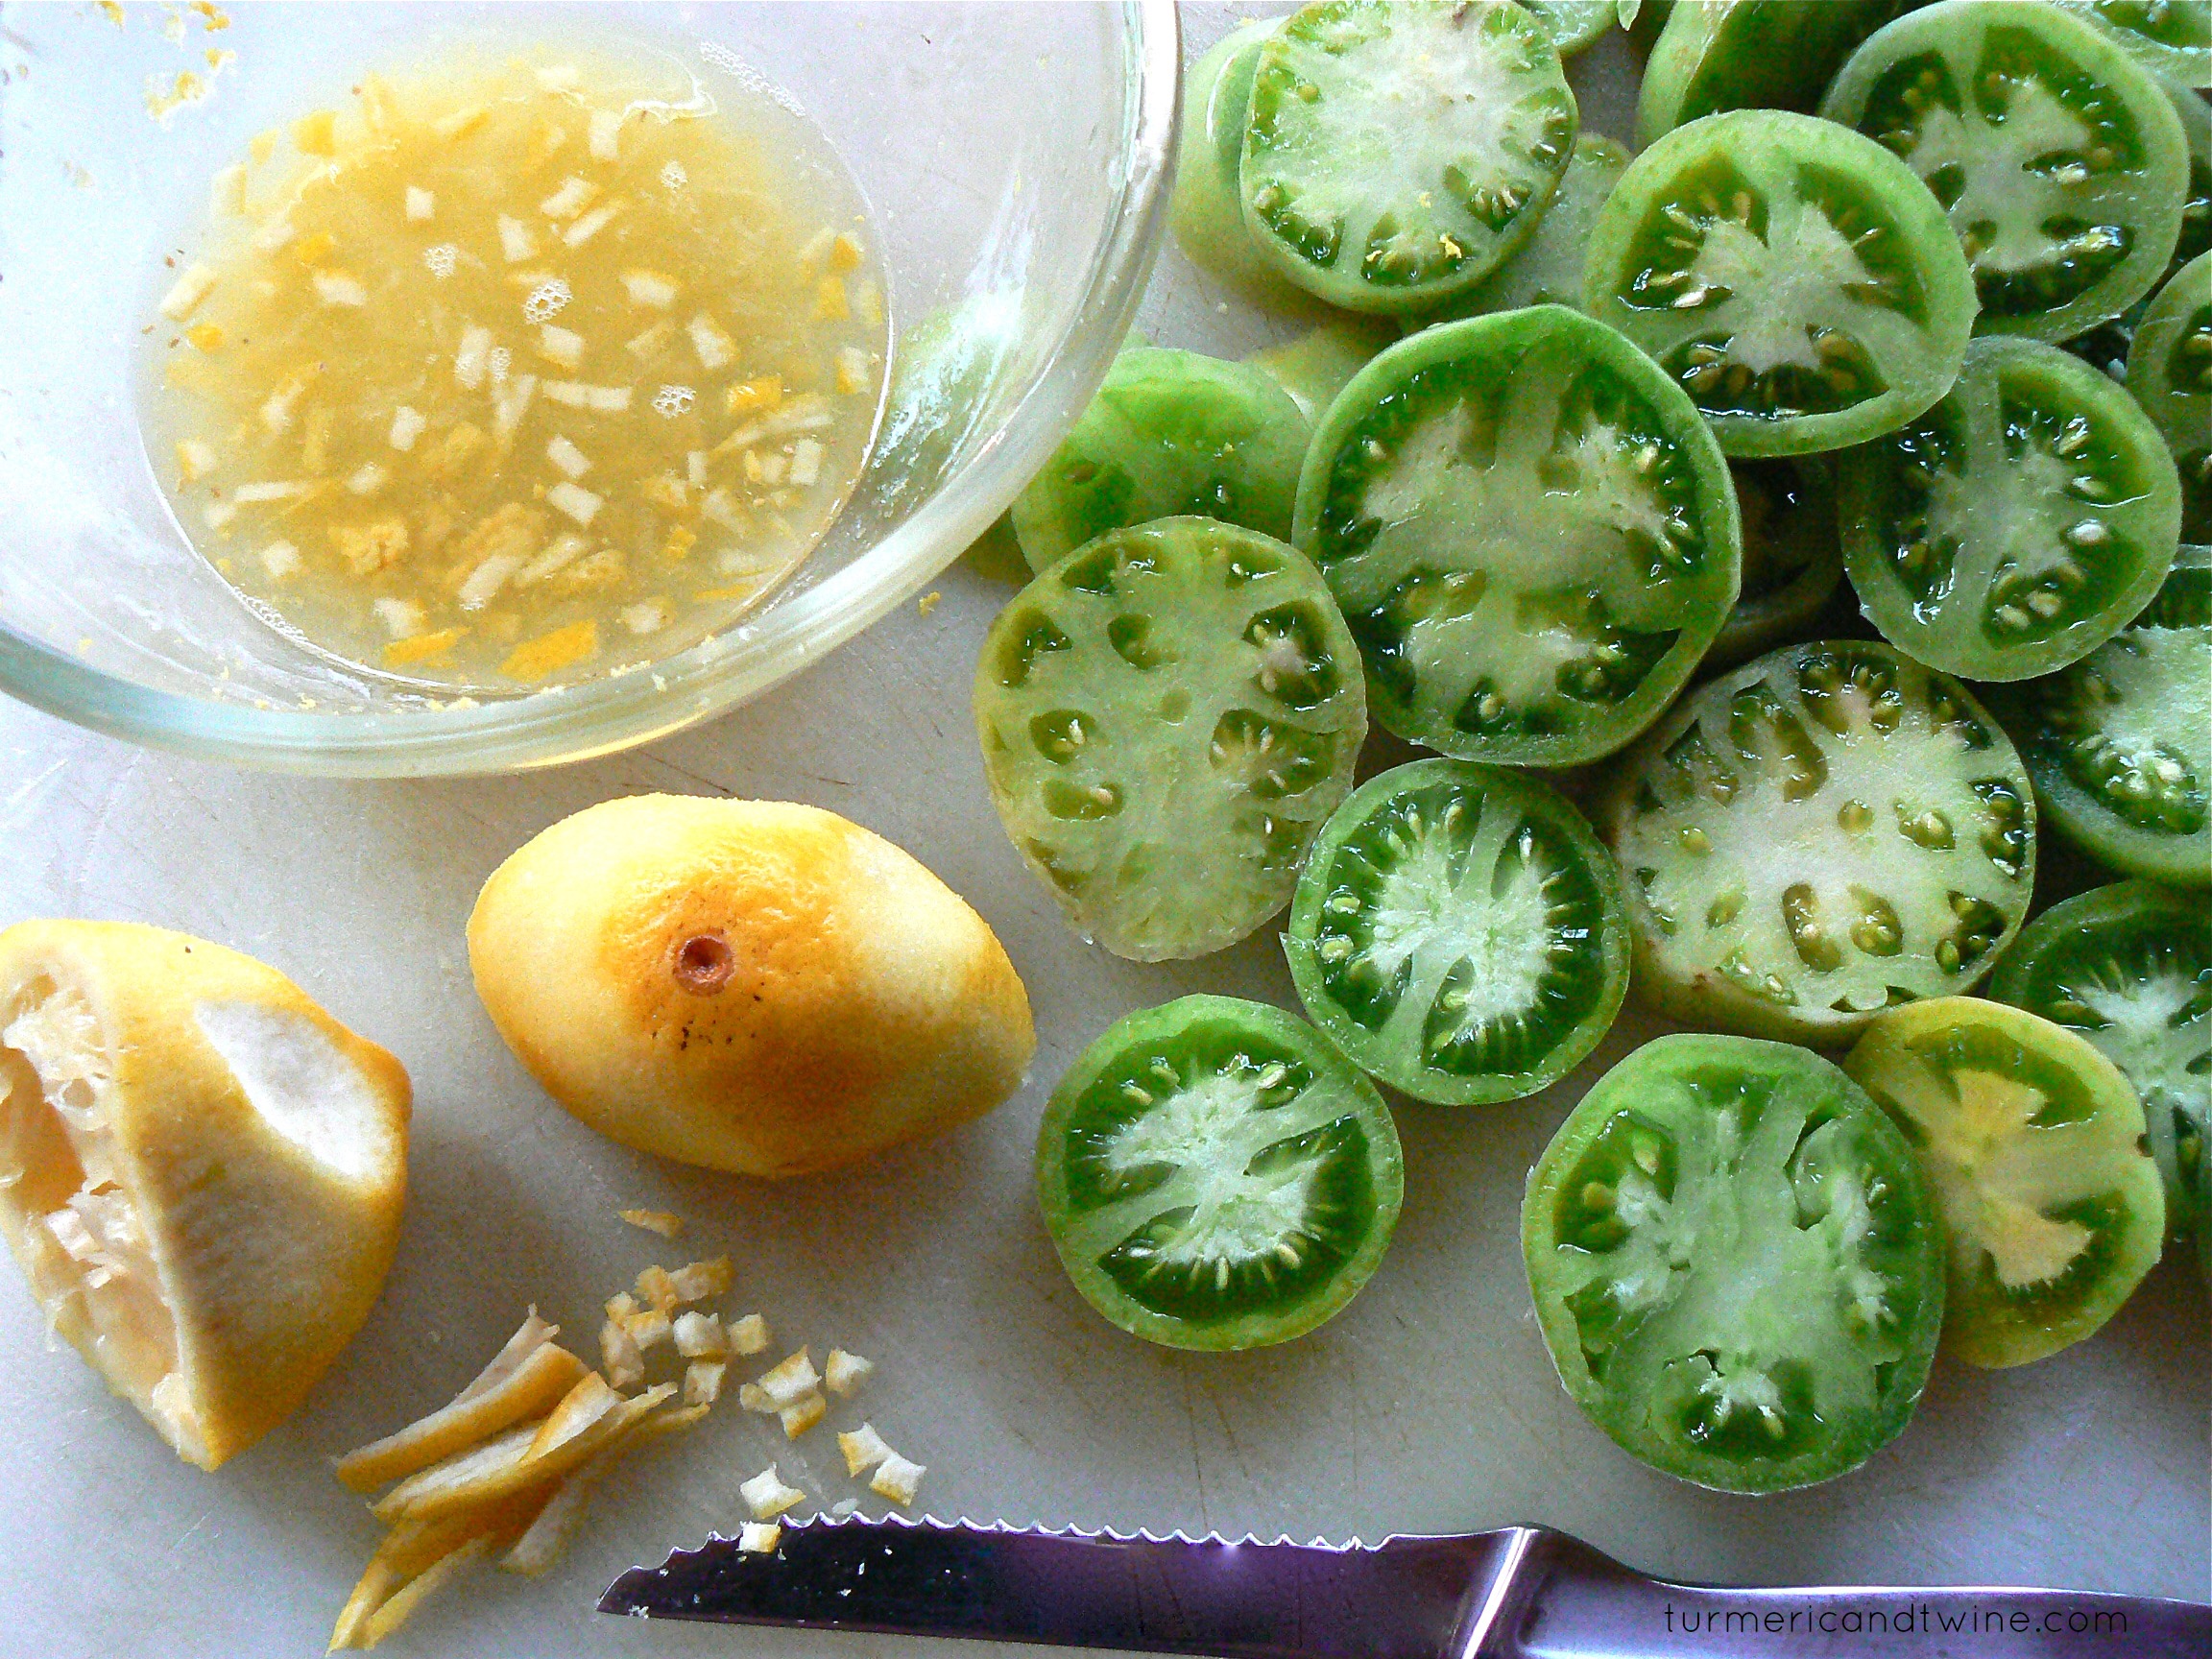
1404,1598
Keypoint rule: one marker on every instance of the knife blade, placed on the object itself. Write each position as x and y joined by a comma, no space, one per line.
1519,1593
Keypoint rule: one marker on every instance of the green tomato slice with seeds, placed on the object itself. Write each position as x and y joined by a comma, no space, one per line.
2052,1212
1716,55
1459,933
2170,373
1736,1262
2166,37
1169,433
1793,556
1575,25
1216,1176
1167,715
2129,967
2057,158
1792,275
1806,840
1398,150
2120,744
1547,270
1530,532
2018,524
1205,210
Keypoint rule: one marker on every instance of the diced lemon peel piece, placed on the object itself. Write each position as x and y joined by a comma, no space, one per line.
802,1415
863,1449
665,1222
842,1372
749,1334
768,1497
185,294
698,1281
897,1478
790,1379
703,1382
699,1336
759,1537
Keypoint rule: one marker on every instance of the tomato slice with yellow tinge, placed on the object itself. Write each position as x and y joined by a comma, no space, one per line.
2034,1143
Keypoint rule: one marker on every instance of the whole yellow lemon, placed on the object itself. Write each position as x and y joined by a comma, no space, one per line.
201,1171
748,985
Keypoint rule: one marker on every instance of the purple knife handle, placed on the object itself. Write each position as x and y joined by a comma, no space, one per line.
1558,1599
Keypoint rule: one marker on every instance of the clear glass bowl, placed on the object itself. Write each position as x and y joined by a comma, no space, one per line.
1015,157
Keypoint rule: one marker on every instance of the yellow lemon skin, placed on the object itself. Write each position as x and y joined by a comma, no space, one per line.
748,985
241,1157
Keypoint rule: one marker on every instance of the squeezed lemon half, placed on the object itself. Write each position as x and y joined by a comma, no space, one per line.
201,1171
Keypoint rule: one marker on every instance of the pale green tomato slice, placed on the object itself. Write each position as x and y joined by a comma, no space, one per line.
1790,276
1170,433
1548,271
2017,525
2057,158
1715,55
2032,1141
2170,371
1205,210
1398,150
1166,717
2130,967
1575,25
1814,836
1320,362
1459,932
1793,559
2168,37
1530,532
1736,1262
2120,744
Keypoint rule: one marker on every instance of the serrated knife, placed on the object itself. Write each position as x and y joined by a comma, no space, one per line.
1520,1592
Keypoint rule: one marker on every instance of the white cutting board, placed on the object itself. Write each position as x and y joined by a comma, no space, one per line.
1427,1406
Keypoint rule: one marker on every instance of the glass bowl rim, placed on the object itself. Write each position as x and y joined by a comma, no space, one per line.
598,718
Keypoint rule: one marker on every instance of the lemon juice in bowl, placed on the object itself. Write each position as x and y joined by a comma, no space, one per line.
518,370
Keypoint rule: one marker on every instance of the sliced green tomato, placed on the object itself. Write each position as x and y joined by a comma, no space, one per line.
1816,835
1736,1262
1792,275
2105,347
1320,362
2033,1145
1793,558
2120,745
2204,1229
2059,159
1216,1176
1205,210
2170,371
1397,151
1170,433
1459,933
2167,36
1167,715
1575,25
1548,271
2130,967
2017,525
1715,55
1530,531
